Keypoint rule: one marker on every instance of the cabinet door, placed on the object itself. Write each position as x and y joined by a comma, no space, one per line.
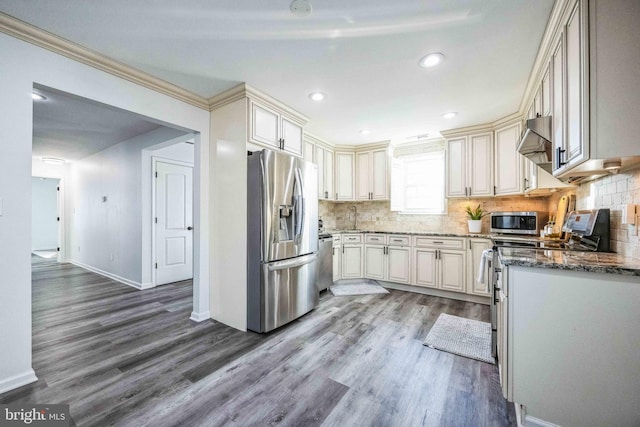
363,176
477,246
374,257
379,174
557,103
292,136
264,126
546,93
424,261
509,163
457,167
337,257
344,176
320,161
530,175
452,270
399,264
351,261
328,174
480,165
537,103
575,56
309,149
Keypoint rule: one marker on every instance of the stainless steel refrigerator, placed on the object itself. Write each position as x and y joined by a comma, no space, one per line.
282,244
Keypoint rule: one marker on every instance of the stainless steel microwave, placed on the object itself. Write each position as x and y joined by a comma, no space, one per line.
518,222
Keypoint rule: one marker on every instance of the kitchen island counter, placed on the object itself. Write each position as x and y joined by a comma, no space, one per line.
594,262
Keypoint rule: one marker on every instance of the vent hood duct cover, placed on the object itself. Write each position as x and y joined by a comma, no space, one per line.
536,142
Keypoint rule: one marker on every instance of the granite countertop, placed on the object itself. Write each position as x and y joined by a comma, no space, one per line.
594,262
407,233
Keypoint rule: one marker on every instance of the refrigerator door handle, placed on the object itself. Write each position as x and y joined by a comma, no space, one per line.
291,263
298,202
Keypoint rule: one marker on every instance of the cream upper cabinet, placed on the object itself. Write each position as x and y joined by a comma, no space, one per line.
372,175
508,171
558,103
308,152
273,128
546,93
476,247
324,160
469,166
344,173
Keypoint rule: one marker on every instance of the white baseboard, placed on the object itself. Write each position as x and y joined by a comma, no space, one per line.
526,420
147,285
200,317
111,276
18,381
435,292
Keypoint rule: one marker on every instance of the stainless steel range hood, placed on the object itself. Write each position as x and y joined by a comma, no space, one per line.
536,142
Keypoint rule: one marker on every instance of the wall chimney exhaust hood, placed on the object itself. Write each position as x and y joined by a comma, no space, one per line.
536,142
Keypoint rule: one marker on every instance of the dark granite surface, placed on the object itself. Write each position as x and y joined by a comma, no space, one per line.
595,262
408,233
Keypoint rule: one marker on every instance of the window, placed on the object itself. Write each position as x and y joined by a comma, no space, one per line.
417,184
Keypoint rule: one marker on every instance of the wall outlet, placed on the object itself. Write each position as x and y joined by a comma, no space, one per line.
629,213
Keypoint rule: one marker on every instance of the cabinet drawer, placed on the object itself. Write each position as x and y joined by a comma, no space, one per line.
436,242
352,238
398,240
375,239
337,238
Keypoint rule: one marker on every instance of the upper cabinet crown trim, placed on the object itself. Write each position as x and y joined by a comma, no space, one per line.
243,90
483,128
46,40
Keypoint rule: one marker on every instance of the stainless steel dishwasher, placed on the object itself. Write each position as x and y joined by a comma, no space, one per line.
325,261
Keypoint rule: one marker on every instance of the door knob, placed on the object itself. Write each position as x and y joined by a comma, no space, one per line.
189,228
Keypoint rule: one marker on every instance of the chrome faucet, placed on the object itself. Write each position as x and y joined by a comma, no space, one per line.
355,216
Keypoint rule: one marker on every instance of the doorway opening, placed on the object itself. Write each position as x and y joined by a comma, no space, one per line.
46,217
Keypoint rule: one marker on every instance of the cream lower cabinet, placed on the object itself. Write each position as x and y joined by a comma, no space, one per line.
337,258
387,258
440,268
476,247
352,260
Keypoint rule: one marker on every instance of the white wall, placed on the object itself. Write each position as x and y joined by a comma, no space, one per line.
44,213
21,67
106,235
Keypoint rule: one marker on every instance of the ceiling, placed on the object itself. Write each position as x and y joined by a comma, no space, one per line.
362,54
71,128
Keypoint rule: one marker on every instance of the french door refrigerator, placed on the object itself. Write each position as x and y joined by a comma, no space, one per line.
282,243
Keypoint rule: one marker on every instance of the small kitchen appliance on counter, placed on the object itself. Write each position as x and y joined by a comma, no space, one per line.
524,223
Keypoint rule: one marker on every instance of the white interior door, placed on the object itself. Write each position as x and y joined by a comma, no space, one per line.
173,222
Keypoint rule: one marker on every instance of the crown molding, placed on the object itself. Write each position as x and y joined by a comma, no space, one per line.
309,137
482,128
549,39
46,40
244,90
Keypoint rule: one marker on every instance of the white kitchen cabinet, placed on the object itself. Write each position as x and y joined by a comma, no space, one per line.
308,152
509,164
374,262
344,173
557,102
324,160
440,268
546,93
337,257
372,175
398,264
469,166
476,247
352,260
274,129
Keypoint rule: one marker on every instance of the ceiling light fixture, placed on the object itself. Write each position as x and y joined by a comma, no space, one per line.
365,131
37,97
301,8
53,161
317,96
431,60
450,115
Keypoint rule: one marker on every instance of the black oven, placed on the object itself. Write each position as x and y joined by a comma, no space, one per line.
529,223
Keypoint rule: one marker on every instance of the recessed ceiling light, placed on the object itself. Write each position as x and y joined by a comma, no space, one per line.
365,131
37,97
300,8
317,96
450,115
431,60
53,161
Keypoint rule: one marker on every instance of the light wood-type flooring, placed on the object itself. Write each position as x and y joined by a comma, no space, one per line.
119,356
